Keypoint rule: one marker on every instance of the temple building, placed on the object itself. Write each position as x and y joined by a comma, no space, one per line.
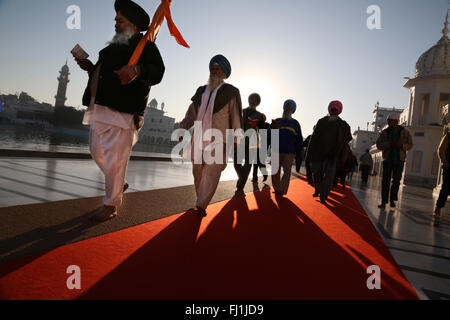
157,130
425,117
366,139
429,94
380,116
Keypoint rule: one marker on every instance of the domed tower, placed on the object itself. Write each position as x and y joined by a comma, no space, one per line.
429,94
63,79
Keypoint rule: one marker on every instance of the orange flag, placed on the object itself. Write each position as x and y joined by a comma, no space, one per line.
172,27
158,18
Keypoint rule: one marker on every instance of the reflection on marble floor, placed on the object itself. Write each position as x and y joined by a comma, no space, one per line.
33,180
419,242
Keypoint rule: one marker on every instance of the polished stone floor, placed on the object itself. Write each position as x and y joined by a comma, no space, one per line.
419,242
34,180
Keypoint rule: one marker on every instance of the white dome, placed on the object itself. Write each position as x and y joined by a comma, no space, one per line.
436,60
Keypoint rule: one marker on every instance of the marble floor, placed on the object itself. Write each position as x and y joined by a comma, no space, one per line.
419,243
34,180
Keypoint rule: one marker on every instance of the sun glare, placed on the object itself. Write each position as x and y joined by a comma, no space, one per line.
267,89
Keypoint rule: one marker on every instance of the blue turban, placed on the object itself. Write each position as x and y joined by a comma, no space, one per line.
223,63
290,103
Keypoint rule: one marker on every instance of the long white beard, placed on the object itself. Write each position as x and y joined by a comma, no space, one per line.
214,82
122,37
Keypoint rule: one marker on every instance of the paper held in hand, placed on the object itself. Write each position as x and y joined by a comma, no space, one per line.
78,52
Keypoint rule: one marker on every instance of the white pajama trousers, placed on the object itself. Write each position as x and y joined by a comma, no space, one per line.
110,148
206,179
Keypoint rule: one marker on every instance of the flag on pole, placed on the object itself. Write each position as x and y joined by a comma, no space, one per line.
162,12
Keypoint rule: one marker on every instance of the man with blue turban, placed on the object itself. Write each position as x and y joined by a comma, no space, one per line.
290,146
215,106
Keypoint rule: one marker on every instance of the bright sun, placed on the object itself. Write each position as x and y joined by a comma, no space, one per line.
266,89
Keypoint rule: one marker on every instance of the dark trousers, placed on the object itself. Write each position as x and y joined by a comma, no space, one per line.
394,172
261,165
365,173
243,170
323,176
350,175
444,190
309,175
298,163
339,177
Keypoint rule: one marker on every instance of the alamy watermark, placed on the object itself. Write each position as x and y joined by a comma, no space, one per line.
211,147
74,20
74,280
374,281
374,20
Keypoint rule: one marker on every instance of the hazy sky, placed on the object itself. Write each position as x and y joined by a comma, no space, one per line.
312,51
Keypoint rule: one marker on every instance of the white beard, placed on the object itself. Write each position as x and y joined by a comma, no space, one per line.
122,37
214,82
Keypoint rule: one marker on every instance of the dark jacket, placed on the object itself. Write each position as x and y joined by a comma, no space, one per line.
290,136
306,142
253,115
328,139
132,97
444,150
366,160
266,126
384,142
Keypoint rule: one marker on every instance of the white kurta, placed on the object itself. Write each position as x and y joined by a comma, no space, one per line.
112,136
207,176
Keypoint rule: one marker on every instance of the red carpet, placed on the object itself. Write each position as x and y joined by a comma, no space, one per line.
256,247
